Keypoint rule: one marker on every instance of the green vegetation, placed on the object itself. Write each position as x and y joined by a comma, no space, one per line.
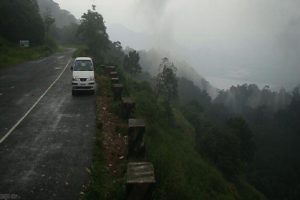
182,173
80,51
131,62
20,20
60,24
273,118
11,54
202,148
93,32
166,86
63,18
195,156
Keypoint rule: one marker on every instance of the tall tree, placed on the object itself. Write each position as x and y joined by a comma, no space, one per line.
48,20
93,31
114,55
167,85
131,62
240,128
166,80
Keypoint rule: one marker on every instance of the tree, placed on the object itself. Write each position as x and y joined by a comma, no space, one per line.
93,31
65,35
114,54
166,80
240,128
294,108
20,20
221,147
48,20
188,91
131,62
167,85
295,104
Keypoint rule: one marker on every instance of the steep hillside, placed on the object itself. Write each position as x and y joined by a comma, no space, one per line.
62,17
180,171
194,156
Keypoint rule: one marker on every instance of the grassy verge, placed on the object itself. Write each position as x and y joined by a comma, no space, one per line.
11,54
108,165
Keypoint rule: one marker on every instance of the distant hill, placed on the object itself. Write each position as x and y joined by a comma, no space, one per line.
62,17
151,59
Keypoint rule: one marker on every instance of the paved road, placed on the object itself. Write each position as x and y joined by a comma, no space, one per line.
46,156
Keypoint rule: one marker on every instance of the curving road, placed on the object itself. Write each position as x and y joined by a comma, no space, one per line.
46,134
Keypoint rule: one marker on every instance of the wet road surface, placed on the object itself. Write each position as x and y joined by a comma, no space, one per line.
46,155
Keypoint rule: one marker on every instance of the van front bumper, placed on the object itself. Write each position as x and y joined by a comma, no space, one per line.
83,86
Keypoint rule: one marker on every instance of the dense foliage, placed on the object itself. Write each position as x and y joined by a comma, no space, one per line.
92,30
20,20
248,132
213,147
264,148
166,80
181,171
64,25
132,62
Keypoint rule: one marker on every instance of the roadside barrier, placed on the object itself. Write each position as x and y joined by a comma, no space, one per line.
140,175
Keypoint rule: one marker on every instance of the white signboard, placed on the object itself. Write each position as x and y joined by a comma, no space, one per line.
24,43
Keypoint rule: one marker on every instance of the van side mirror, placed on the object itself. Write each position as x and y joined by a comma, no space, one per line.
72,68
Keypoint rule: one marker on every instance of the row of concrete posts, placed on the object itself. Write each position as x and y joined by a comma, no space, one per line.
140,177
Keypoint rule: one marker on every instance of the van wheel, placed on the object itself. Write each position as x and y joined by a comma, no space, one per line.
73,92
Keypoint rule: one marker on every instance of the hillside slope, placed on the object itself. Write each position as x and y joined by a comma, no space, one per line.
62,17
151,59
181,172
182,169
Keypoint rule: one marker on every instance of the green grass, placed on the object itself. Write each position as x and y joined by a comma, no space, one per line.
11,54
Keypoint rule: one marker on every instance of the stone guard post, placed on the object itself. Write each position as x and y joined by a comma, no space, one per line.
140,181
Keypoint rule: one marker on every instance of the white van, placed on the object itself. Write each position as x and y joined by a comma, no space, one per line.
83,75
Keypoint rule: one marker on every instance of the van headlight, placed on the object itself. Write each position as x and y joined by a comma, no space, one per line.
75,79
91,78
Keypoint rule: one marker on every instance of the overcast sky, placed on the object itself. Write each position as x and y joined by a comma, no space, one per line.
227,41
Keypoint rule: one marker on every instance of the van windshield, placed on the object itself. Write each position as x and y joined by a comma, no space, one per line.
83,65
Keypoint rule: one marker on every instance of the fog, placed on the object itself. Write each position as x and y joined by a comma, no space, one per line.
228,42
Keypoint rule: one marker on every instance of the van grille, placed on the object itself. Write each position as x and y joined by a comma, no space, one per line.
83,87
83,79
